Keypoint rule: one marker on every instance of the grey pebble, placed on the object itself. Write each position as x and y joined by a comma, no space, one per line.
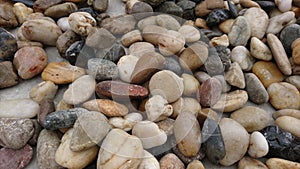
255,89
102,69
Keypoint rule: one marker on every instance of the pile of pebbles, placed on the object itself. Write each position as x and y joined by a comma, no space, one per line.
167,85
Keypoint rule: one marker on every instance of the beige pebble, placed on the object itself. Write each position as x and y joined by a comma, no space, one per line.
171,161
226,25
235,77
190,33
220,41
196,164
278,22
277,163
191,84
152,33
126,66
249,3
258,146
287,112
248,162
194,56
149,161
259,27
81,22
44,90
170,43
231,101
242,56
201,23
185,104
296,49
260,50
127,122
21,11
289,124
131,37
157,108
139,48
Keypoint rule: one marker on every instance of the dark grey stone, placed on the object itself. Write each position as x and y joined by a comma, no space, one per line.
8,45
255,89
188,9
173,65
288,35
213,64
217,16
169,7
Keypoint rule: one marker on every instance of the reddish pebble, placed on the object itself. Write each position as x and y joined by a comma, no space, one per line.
15,159
210,92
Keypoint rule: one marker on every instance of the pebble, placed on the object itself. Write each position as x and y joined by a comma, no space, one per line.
8,45
294,80
168,22
63,118
248,4
120,90
288,35
61,105
134,7
169,7
267,72
266,5
279,54
215,4
100,5
149,133
260,50
128,23
89,130
47,145
112,54
22,44
157,108
185,104
120,150
248,162
242,56
100,38
231,101
139,48
8,76
60,10
225,55
201,9
235,77
214,64
63,23
171,161
102,69
287,112
152,33
277,163
80,90
76,49
149,161
217,16
220,41
21,11
226,25
258,146
44,90
172,89
194,56
127,122
295,47
172,64
34,30
259,28
236,140
210,92
107,107
37,129
42,5
190,33
196,164
46,107
8,18
284,5
191,84
12,108
61,72
281,94
225,86
277,23
81,23
240,32
171,43
65,40
131,37
187,133
143,23
126,66
256,91
288,124
17,159
15,133
67,158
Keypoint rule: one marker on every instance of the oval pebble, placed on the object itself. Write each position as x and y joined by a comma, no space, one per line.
81,22
231,101
289,124
108,107
259,28
258,146
126,66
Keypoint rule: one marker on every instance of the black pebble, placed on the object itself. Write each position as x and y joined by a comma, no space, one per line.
28,3
266,5
88,10
217,16
233,9
224,54
188,9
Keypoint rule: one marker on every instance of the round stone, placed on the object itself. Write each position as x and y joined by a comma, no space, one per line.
8,76
196,164
259,50
171,43
126,66
60,10
261,18
288,35
241,55
131,37
170,160
258,146
8,45
240,32
284,6
274,163
256,91
81,22
102,69
168,22
152,33
44,90
231,101
248,162
191,84
139,48
190,33
289,124
63,23
185,104
157,108
194,56
210,92
296,53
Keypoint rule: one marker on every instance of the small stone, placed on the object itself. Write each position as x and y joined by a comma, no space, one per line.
167,22
100,38
259,50
277,23
46,107
220,41
241,55
107,107
284,6
65,40
152,33
288,124
196,164
167,126
295,47
187,133
22,44
287,112
201,23
44,90
21,11
256,91
288,35
172,64
62,72
294,80
81,22
149,161
61,10
16,158
248,3
231,101
137,7
127,122
131,37
267,72
236,140
210,92
217,16
258,146
191,84
119,149
100,5
157,108
139,48
172,89
102,69
281,94
8,77
232,8
143,23
78,53
235,76
128,23
201,76
61,105
42,5
190,33
8,45
67,158
185,104
19,108
126,66
171,161
240,32
170,43
169,7
259,28
214,4
201,9
225,56
8,18
225,86
15,133
248,162
207,113
277,163
63,23
112,54
226,25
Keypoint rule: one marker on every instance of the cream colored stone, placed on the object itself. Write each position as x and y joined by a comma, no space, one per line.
157,108
126,66
277,163
258,146
260,50
127,122
220,41
289,124
170,43
191,84
249,163
190,33
231,101
44,90
235,76
81,22
149,161
287,112
185,104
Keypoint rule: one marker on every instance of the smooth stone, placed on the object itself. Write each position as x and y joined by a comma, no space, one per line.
277,23
149,161
169,7
80,90
288,35
42,5
194,56
281,94
8,18
89,130
231,101
236,140
81,23
226,25
266,5
295,48
214,64
267,72
235,77
127,122
171,43
217,16
157,108
67,158
167,126
225,86
102,69
22,44
277,163
191,84
240,32
294,80
109,108
128,23
145,22
19,108
248,3
259,28
16,158
284,5
258,146
172,89
248,162
295,67
225,56
43,90
201,9
78,53
296,3
119,90
220,41
260,50
8,45
8,75
149,133
34,30
46,107
47,145
279,54
187,133
61,72
119,149
185,104
256,91
126,66
60,10
131,38
242,56
15,133
167,22
100,5
63,118
172,64
112,54
288,124
190,33
201,76
152,33
196,164
100,38
215,4
137,7
61,105
65,40
210,92
139,48
63,23
171,161
287,112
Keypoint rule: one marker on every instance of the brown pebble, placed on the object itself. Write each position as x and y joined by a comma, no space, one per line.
171,161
